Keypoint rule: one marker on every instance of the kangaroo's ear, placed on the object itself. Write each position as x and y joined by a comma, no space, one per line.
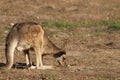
59,54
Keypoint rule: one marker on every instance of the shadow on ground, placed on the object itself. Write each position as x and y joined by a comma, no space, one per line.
20,66
16,66
2,64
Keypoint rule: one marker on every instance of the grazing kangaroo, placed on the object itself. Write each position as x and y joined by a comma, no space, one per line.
31,36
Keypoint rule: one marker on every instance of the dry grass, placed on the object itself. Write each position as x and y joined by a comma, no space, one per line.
93,37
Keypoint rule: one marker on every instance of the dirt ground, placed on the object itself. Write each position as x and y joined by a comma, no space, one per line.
93,53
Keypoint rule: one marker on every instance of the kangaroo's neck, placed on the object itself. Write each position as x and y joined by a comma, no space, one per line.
49,47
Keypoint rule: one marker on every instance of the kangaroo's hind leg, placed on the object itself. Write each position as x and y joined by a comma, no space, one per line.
9,53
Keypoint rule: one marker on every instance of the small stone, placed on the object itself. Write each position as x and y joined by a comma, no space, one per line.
6,31
11,24
38,17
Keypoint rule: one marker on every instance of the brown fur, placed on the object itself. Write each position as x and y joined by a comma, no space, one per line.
30,35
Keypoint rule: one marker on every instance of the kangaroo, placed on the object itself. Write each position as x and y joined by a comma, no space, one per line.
31,36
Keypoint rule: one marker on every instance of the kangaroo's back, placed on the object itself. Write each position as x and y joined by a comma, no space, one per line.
25,32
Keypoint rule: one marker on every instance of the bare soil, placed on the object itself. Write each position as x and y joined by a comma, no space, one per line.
93,53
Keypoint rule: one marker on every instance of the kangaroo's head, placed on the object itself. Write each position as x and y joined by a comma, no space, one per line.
61,57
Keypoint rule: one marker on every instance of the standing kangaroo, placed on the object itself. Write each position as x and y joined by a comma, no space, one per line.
31,36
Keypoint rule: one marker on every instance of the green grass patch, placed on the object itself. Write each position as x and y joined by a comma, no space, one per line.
113,25
51,76
59,24
7,28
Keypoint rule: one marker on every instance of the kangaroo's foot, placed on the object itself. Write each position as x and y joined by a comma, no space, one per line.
32,67
45,67
41,67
